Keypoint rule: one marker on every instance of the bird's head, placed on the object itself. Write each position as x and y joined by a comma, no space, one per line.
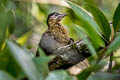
54,18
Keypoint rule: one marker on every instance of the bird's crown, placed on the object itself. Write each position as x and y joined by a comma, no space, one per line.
55,17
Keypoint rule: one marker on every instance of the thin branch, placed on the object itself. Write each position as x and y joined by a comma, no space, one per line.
110,63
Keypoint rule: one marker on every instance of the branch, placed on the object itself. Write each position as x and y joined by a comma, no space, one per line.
69,55
110,63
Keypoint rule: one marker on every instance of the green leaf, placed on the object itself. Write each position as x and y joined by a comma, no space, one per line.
6,60
5,76
116,19
89,25
101,20
6,18
14,69
104,76
42,64
59,75
3,27
84,75
114,45
42,53
24,60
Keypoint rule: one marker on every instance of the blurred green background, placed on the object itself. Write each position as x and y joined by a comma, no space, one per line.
30,16
24,21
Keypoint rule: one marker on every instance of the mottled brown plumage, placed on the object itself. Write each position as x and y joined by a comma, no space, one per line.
56,35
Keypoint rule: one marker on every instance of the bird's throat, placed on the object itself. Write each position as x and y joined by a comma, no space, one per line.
54,26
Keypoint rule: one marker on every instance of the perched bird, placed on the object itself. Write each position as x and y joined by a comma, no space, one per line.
56,35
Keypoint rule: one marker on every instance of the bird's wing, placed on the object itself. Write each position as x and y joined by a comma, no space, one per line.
48,44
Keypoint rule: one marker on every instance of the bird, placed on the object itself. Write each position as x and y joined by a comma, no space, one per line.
56,35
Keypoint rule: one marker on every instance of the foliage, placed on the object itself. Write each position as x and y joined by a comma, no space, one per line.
112,42
17,62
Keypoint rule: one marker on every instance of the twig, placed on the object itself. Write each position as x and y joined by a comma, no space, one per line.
110,63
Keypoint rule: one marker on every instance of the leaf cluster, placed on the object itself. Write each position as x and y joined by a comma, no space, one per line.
17,62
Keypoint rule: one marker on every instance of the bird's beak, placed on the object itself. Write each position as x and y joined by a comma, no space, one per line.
62,16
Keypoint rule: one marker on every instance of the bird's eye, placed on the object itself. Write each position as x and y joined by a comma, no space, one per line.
55,14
